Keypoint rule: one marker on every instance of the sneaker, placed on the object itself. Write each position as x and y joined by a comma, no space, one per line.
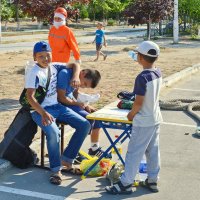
98,153
119,188
79,158
153,187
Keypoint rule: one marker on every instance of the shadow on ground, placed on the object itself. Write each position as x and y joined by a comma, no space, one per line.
9,104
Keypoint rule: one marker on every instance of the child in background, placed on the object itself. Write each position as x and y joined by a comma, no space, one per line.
100,41
146,117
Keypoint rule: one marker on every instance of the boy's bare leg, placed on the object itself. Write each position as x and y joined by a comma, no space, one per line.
66,164
98,53
95,135
104,55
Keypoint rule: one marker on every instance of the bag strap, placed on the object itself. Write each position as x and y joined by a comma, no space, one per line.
48,78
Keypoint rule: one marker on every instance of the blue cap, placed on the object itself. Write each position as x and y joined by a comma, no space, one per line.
41,46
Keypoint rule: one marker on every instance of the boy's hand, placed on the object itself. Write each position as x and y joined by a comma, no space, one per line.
75,82
105,44
47,119
82,105
90,109
130,116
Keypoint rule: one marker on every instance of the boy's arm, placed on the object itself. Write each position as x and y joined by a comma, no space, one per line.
46,117
66,100
72,43
75,81
136,107
94,40
104,38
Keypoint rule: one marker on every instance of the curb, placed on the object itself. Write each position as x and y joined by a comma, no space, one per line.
167,82
170,80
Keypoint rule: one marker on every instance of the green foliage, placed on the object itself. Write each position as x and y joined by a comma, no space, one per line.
111,22
84,12
6,10
189,11
194,31
100,9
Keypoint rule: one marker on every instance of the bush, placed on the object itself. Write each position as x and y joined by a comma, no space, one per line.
194,31
84,13
110,22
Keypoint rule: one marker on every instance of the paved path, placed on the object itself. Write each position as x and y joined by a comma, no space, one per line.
83,36
179,177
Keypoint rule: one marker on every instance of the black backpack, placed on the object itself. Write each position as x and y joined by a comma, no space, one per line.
17,139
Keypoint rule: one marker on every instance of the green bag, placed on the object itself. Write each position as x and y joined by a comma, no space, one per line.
125,104
40,94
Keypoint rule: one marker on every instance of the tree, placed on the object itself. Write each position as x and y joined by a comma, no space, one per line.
118,7
149,11
6,12
43,9
189,11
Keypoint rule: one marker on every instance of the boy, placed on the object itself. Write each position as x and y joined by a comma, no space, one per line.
62,40
50,110
146,117
89,78
100,40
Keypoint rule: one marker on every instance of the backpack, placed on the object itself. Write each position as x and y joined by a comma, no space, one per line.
17,139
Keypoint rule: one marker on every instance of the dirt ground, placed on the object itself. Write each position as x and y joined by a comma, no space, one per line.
118,71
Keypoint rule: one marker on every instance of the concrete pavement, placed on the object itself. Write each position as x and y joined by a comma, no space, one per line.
179,177
26,42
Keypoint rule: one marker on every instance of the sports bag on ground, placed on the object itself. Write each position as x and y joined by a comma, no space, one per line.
17,139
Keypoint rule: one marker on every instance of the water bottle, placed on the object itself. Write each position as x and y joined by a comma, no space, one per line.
143,169
143,166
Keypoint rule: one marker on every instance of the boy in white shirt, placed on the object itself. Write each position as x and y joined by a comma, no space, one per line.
146,117
46,113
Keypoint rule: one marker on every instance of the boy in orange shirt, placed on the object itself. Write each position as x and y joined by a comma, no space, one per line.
62,40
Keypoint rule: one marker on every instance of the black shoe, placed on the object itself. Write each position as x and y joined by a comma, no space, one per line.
153,187
79,158
98,153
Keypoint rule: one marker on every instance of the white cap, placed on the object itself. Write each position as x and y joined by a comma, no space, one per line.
148,48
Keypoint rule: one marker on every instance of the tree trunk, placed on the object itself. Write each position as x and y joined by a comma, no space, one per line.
160,28
149,30
17,15
185,21
6,23
94,16
39,24
118,19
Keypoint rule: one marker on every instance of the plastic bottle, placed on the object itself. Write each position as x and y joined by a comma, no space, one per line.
143,169
118,146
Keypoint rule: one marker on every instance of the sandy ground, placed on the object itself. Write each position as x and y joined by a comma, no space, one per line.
118,71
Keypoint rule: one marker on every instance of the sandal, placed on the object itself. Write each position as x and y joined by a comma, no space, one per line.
72,170
55,179
118,188
151,186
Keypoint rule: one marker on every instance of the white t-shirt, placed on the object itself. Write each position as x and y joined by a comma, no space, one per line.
148,84
37,76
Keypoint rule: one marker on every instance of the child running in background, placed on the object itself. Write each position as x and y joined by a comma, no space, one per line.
146,117
100,41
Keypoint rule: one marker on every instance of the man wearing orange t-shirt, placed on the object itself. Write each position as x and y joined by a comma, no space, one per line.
62,39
